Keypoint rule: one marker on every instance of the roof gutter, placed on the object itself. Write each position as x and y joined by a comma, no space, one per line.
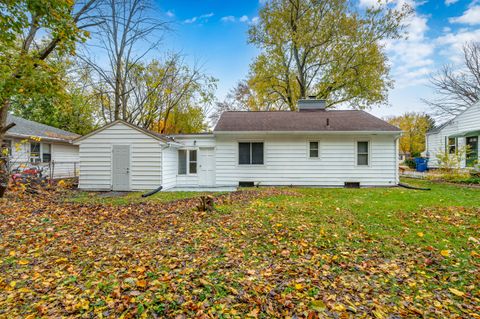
42,138
307,132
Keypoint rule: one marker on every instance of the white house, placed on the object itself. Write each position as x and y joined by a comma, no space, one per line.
312,147
462,130
29,142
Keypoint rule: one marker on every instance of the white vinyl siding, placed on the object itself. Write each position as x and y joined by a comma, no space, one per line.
96,158
286,163
169,168
437,142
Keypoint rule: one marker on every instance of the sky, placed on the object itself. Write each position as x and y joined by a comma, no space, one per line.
214,34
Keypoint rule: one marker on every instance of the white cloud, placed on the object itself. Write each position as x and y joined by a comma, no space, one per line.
200,18
449,2
452,43
228,19
170,14
243,19
373,3
412,59
471,16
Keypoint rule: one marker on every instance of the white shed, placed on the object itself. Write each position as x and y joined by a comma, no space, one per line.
123,157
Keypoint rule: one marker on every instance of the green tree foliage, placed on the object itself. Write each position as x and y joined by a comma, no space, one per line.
30,30
414,127
325,48
70,107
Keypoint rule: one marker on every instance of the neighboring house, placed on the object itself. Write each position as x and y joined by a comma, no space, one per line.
455,134
312,147
29,142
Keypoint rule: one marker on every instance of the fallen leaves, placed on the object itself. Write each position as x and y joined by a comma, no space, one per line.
250,259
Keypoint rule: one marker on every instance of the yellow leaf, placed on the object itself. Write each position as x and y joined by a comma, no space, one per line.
12,253
339,307
474,254
13,284
23,262
445,253
420,234
142,283
298,286
456,292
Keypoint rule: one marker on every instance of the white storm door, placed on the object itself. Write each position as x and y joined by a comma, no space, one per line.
121,168
206,167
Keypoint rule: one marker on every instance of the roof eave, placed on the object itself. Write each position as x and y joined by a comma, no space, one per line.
308,132
43,138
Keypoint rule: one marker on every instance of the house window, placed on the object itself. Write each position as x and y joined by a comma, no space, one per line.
250,153
46,153
7,146
362,153
313,150
35,152
452,145
192,162
187,159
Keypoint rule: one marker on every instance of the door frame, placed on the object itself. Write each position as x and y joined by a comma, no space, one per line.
200,182
129,167
467,159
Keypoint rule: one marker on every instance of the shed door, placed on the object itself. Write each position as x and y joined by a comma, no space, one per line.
206,165
121,168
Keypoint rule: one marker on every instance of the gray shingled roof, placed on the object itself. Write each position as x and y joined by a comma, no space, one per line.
26,128
338,121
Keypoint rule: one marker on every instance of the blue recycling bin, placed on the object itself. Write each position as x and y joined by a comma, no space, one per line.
421,164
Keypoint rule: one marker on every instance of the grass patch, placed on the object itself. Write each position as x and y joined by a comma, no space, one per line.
267,253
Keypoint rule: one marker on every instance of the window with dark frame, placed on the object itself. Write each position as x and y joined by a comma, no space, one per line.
250,153
7,144
192,162
362,153
313,150
35,152
187,162
46,153
452,145
182,162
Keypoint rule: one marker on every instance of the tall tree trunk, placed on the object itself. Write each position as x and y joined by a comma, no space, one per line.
4,127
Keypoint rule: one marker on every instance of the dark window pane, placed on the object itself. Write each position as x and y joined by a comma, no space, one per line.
193,167
46,153
182,162
362,159
257,153
243,153
362,147
313,149
313,153
193,156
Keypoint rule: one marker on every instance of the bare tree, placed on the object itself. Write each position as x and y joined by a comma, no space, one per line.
127,32
157,89
457,87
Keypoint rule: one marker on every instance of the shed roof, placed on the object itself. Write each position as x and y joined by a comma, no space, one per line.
26,128
307,121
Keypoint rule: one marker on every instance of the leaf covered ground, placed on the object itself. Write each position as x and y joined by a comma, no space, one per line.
266,253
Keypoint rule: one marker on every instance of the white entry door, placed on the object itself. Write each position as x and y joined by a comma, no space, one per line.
206,167
121,168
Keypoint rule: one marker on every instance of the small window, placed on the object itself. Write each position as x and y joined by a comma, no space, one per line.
182,162
35,152
313,150
452,145
362,153
46,153
250,153
7,147
192,162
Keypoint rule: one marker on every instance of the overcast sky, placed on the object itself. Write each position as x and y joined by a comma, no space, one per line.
214,33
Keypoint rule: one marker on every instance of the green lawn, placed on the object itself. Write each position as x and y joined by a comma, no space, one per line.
264,253
118,198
